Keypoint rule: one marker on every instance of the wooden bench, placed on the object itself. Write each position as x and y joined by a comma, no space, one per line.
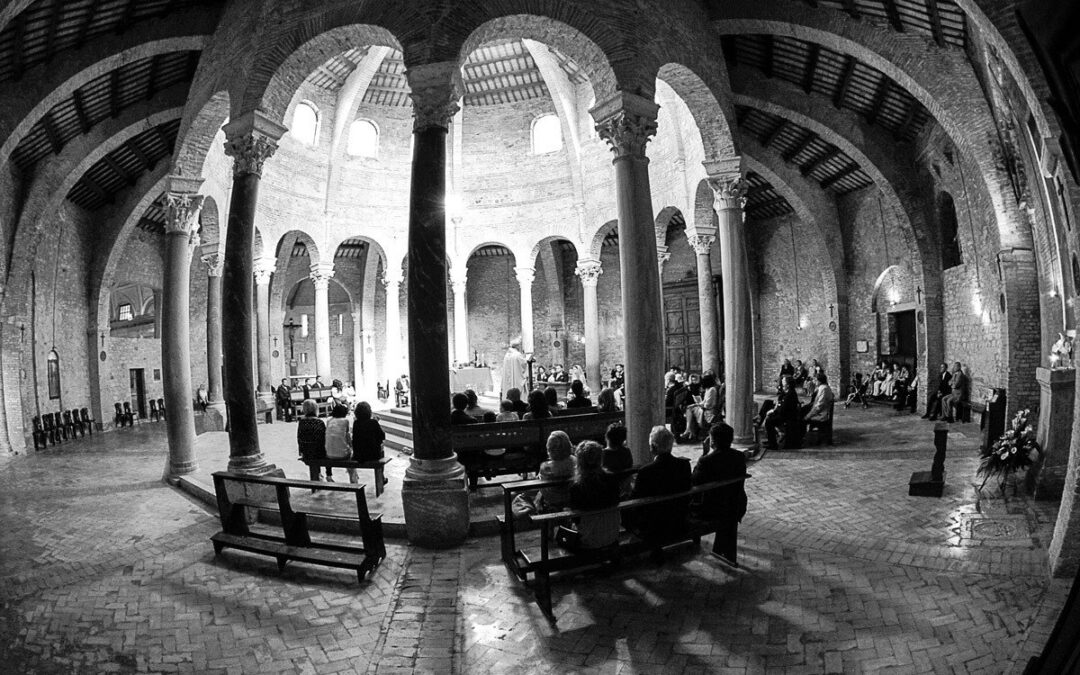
378,466
521,564
321,396
251,492
524,442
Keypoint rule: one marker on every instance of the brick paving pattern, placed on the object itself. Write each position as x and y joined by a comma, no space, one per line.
105,569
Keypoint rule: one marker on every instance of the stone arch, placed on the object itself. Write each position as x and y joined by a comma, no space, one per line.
295,49
198,131
492,242
291,238
574,32
535,251
705,218
889,273
600,235
372,243
714,121
663,222
287,297
209,226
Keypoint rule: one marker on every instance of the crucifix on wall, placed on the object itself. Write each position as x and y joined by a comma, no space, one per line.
292,327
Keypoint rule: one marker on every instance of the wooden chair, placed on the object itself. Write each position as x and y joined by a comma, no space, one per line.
68,424
161,407
50,428
87,421
40,437
128,414
153,410
77,423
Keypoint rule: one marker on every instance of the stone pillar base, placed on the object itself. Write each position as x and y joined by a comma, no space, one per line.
267,397
254,465
214,417
174,470
435,497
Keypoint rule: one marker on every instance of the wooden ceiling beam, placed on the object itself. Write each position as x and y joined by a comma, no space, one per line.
811,67
741,115
838,176
767,204
51,132
730,49
909,119
141,156
111,162
152,76
165,142
879,99
18,63
894,15
84,29
935,22
126,17
54,26
114,93
773,133
80,111
844,83
803,144
822,159
104,196
770,57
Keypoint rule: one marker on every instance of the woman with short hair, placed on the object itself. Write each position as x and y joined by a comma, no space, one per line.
311,437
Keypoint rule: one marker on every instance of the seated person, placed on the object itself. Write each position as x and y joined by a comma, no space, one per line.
311,437
907,391
786,369
458,415
593,488
617,456
559,375
367,435
338,442
823,397
506,412
541,374
538,406
877,379
474,409
579,399
725,506
618,377
605,401
202,398
785,415
665,475
559,465
514,396
933,402
700,414
337,394
551,395
950,404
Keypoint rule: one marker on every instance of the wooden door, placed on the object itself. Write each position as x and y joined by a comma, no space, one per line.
682,326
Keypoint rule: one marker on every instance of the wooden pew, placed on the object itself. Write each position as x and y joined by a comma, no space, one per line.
521,564
295,542
378,466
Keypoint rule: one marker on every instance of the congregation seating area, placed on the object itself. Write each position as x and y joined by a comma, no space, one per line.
124,416
56,427
546,559
243,498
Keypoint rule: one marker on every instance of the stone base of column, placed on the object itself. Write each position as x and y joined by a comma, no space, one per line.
255,465
435,497
214,417
174,470
267,397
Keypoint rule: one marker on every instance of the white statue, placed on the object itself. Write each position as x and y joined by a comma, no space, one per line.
1061,352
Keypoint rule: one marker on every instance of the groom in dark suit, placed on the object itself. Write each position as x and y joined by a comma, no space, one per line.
665,475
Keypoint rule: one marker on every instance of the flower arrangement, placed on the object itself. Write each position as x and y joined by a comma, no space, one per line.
1016,449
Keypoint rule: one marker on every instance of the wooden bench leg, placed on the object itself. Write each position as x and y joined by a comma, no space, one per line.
281,560
379,480
542,592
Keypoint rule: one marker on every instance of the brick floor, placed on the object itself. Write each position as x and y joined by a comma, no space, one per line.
105,569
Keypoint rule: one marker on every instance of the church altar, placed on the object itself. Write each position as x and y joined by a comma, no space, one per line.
477,379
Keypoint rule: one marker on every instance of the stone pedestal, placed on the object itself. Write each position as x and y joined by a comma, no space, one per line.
435,498
1058,392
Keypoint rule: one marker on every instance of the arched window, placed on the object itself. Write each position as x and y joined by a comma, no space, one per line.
305,123
54,375
363,139
950,235
546,134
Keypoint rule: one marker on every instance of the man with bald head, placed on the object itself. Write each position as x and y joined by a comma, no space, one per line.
665,475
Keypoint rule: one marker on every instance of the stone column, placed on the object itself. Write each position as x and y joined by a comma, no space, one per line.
626,122
434,493
393,366
321,273
263,270
525,277
589,271
251,140
182,235
214,263
730,193
459,280
358,353
710,357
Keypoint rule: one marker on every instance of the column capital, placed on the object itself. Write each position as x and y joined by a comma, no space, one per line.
459,273
701,243
264,268
589,271
391,278
662,255
525,275
729,192
459,286
250,140
321,273
626,121
182,207
215,264
435,89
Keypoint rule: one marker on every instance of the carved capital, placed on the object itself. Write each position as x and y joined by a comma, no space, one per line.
589,272
729,192
250,140
626,122
525,276
215,264
320,276
435,89
459,286
264,268
392,282
701,243
662,256
182,214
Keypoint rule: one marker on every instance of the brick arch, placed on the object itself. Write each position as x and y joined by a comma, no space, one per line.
198,128
282,254
209,228
714,121
290,51
28,109
956,101
372,243
705,218
599,235
573,31
535,251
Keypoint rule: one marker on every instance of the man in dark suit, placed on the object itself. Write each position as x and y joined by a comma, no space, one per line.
665,475
284,400
950,405
724,506
933,403
786,415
